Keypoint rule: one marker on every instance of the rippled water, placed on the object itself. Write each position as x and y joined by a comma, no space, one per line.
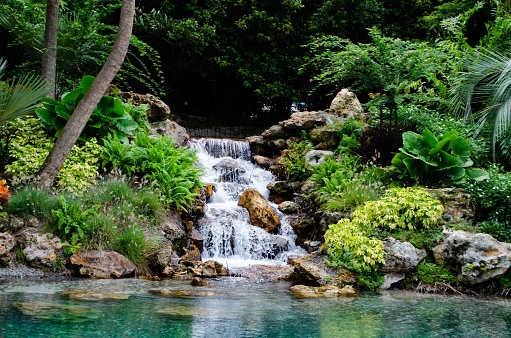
243,308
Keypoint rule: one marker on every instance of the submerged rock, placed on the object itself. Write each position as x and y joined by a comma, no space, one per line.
92,296
57,312
194,311
305,291
192,293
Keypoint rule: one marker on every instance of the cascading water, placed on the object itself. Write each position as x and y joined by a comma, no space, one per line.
228,235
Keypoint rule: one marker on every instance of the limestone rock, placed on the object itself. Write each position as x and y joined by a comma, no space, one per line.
476,258
197,239
40,249
324,137
346,105
102,264
158,110
316,157
7,243
286,188
259,146
192,254
93,296
304,120
303,226
312,246
288,207
261,213
305,291
312,270
169,128
391,278
401,256
209,189
172,227
263,161
275,132
209,269
457,204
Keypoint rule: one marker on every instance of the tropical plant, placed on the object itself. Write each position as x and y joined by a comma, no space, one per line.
19,96
482,93
434,161
170,170
111,115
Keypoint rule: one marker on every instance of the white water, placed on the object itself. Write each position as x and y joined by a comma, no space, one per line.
228,235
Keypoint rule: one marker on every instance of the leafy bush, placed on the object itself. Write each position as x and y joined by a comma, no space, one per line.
401,208
171,171
430,160
111,115
432,273
341,187
293,159
30,146
349,247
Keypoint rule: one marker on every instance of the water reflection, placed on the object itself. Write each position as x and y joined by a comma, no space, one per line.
243,308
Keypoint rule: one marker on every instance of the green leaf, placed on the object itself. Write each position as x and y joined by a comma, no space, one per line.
63,112
477,174
86,82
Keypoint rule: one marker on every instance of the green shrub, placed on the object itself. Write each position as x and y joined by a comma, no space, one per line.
111,115
400,208
133,244
349,247
501,231
293,159
171,171
370,280
30,146
432,273
32,202
429,160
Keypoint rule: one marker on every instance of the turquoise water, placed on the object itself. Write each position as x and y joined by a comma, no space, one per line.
242,308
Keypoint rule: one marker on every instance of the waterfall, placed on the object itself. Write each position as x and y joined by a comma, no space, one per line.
228,235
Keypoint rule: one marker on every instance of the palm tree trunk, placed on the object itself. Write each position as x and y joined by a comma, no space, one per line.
78,120
49,61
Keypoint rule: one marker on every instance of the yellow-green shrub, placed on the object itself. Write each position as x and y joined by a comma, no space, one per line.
30,146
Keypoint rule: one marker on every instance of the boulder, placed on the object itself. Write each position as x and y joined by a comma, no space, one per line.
476,258
102,264
304,227
346,105
285,188
192,254
391,278
316,157
197,239
304,120
158,110
61,313
306,291
7,243
229,170
172,228
209,189
275,132
209,269
311,246
192,293
457,204
40,250
93,296
263,161
400,256
325,137
260,211
260,146
169,128
288,207
312,270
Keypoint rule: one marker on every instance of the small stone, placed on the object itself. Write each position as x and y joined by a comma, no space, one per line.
197,281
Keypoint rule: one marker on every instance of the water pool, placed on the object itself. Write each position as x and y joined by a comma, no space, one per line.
237,307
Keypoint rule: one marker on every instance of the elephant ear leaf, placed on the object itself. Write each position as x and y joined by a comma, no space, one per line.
86,82
413,143
430,139
477,174
461,149
397,160
415,167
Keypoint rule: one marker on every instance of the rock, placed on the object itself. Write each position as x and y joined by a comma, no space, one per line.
40,250
158,110
163,257
192,254
209,189
304,120
209,269
275,132
7,243
229,170
93,296
311,246
288,207
267,273
305,291
260,146
192,293
401,257
174,271
194,311
197,281
14,225
261,213
312,270
346,105
457,204
324,137
391,278
172,227
102,264
169,128
325,218
59,313
476,258
278,144
197,239
303,227
316,157
284,188
263,161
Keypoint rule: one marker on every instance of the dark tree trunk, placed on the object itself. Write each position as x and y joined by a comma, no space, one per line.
49,62
80,116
